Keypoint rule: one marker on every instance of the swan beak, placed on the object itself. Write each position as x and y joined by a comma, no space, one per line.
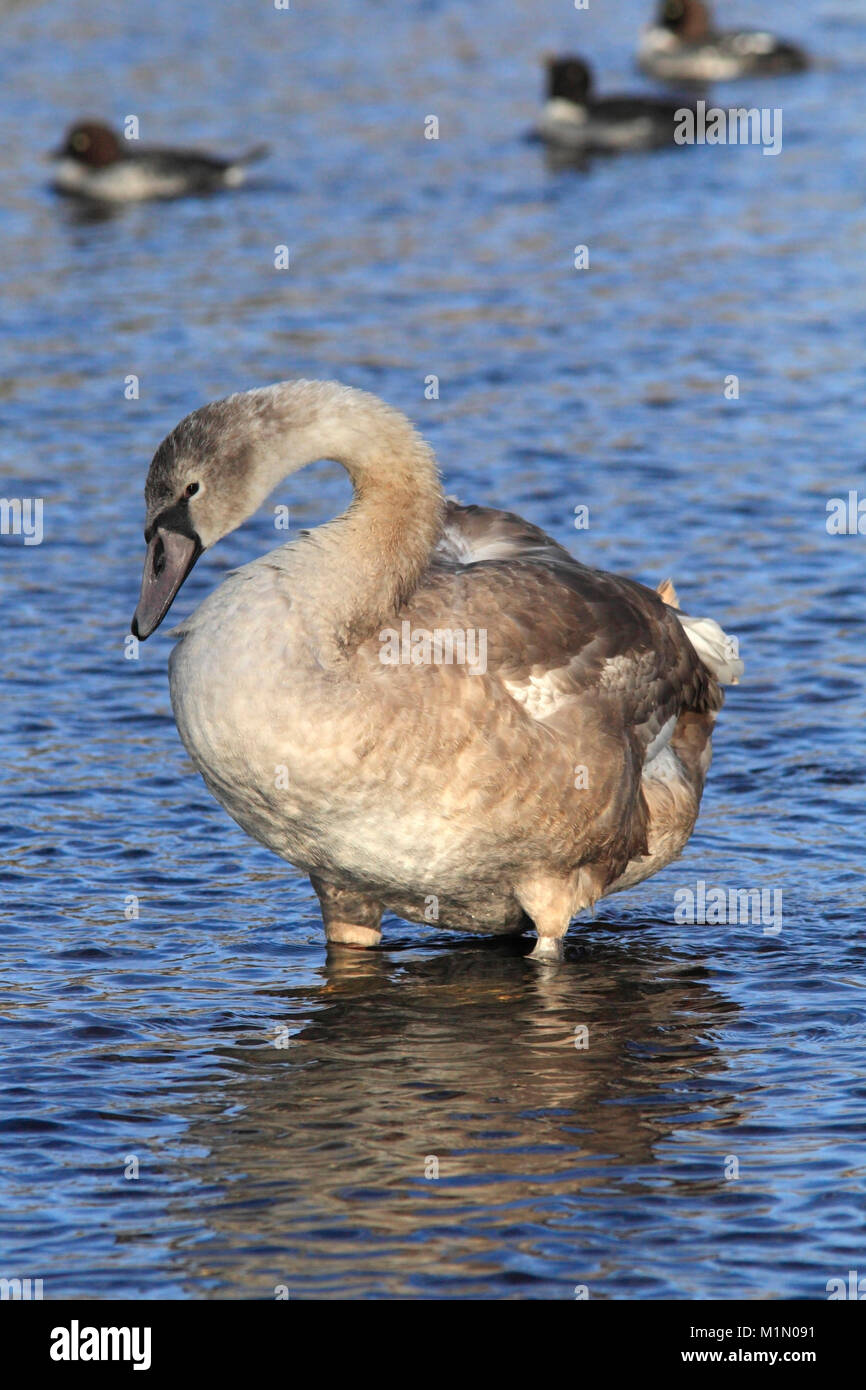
170,557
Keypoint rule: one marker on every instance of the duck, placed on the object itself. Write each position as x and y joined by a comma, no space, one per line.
330,696
96,163
682,46
575,120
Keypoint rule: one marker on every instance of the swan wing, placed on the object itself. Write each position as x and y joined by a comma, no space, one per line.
558,632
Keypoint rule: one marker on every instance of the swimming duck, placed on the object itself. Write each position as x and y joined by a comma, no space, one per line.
574,119
95,162
331,698
682,46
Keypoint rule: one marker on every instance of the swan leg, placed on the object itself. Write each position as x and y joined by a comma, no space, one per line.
553,902
350,918
550,904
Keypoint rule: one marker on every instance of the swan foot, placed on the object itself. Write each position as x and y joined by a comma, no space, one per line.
347,934
547,948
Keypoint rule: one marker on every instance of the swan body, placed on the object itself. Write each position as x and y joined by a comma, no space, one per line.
484,796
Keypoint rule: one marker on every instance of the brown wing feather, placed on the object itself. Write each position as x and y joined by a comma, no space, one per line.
546,614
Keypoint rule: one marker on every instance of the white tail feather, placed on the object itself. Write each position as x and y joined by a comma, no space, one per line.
719,652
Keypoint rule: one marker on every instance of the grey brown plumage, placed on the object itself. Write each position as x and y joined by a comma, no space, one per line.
482,796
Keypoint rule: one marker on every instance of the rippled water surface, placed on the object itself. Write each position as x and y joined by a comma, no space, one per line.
154,1038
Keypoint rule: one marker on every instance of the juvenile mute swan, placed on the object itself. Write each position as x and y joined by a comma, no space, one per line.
428,708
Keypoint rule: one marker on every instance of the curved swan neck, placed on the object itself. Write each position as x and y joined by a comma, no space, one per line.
369,560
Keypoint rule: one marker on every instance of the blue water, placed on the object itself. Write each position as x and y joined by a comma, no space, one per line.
148,1042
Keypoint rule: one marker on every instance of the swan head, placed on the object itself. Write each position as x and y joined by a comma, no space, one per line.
221,462
202,483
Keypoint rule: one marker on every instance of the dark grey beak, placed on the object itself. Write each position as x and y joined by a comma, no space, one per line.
170,557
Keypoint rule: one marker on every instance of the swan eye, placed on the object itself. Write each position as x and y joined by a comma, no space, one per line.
158,558
192,489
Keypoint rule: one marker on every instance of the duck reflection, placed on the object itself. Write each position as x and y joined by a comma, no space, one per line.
425,1120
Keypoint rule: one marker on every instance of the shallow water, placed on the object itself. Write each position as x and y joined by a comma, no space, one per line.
284,1109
